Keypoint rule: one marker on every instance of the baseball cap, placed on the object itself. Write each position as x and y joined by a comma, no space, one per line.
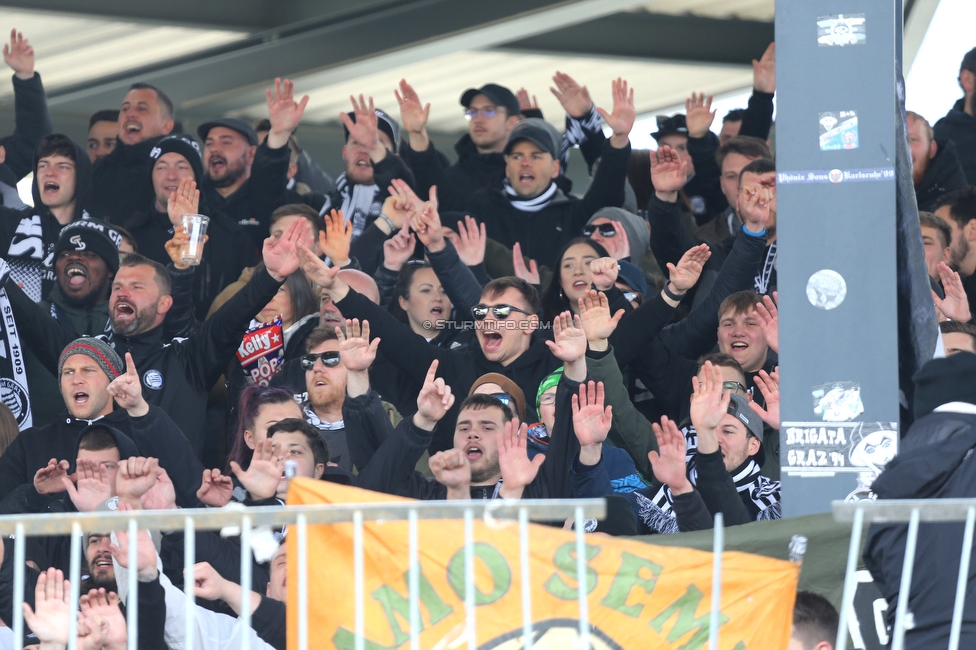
670,125
500,95
231,123
739,407
537,131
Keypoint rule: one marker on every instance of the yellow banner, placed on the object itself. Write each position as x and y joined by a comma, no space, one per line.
639,595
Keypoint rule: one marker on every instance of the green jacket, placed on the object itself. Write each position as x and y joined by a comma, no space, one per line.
630,430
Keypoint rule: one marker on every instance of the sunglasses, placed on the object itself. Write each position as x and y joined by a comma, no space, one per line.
330,359
500,312
606,230
472,113
504,398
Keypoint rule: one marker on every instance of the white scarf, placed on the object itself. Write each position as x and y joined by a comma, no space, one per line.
360,203
537,204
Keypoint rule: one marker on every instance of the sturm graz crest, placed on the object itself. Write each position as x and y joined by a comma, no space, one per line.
15,398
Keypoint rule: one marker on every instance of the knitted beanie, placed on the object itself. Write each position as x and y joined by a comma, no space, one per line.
98,351
635,227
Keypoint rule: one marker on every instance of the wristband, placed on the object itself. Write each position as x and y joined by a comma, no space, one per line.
754,234
389,223
671,295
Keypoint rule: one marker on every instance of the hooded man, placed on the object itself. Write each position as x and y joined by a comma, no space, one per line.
622,233
229,249
120,181
527,206
61,189
32,119
86,367
959,124
935,166
86,259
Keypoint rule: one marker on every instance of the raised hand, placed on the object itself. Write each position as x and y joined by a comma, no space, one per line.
356,351
434,400
603,273
215,489
452,470
595,318
698,114
92,632
426,222
314,268
754,203
469,240
283,112
574,98
709,404
413,114
93,486
261,477
526,104
162,495
570,339
621,120
365,130
19,55
408,199
49,619
47,480
398,249
764,71
768,385
136,476
208,583
668,462
531,273
335,238
513,460
768,317
185,199
126,390
591,421
668,173
145,551
684,276
280,255
103,607
955,305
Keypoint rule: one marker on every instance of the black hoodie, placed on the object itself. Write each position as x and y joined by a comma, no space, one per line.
28,236
960,127
121,181
944,175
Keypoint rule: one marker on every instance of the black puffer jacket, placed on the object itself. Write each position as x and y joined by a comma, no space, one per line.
935,462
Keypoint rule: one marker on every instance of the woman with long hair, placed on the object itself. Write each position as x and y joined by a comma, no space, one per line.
257,409
573,278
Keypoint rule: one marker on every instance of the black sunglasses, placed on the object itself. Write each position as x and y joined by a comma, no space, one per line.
501,312
606,230
330,359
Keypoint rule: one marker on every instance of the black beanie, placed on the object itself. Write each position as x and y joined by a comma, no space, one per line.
940,381
92,235
384,123
183,145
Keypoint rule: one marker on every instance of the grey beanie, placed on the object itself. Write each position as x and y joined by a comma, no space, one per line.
98,351
637,236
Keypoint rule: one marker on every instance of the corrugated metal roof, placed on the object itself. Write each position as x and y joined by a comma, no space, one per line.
71,50
441,81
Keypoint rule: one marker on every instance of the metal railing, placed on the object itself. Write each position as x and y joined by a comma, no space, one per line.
913,512
192,520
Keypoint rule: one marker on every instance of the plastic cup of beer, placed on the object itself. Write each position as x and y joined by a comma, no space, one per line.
195,226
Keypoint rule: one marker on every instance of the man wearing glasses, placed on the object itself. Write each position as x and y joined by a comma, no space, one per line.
325,385
492,111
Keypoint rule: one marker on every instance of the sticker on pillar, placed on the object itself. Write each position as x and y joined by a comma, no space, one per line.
838,131
838,401
841,30
821,448
826,289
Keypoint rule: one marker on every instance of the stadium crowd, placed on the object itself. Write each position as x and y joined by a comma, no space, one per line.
422,328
